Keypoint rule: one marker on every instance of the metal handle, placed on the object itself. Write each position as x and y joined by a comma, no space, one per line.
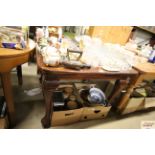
73,51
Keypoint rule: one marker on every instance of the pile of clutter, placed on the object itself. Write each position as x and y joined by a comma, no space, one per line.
54,49
114,57
94,53
145,51
74,96
111,57
145,89
14,38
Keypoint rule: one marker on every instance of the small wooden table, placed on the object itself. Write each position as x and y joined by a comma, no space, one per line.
146,72
10,58
51,77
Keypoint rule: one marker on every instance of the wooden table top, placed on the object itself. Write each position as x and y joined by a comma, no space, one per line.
145,68
63,70
6,52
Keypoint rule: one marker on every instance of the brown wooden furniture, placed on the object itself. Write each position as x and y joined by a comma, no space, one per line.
51,76
10,58
146,72
19,75
111,34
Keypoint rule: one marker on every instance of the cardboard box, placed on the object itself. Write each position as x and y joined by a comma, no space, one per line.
149,102
95,112
66,117
4,123
134,104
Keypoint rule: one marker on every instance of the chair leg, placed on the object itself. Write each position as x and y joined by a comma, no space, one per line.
19,74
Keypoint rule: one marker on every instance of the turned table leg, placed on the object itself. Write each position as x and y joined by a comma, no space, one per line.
7,88
124,100
119,86
48,87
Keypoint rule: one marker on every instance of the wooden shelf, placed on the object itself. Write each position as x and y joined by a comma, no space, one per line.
142,28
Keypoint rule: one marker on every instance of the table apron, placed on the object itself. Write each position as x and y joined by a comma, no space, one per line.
6,64
86,76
